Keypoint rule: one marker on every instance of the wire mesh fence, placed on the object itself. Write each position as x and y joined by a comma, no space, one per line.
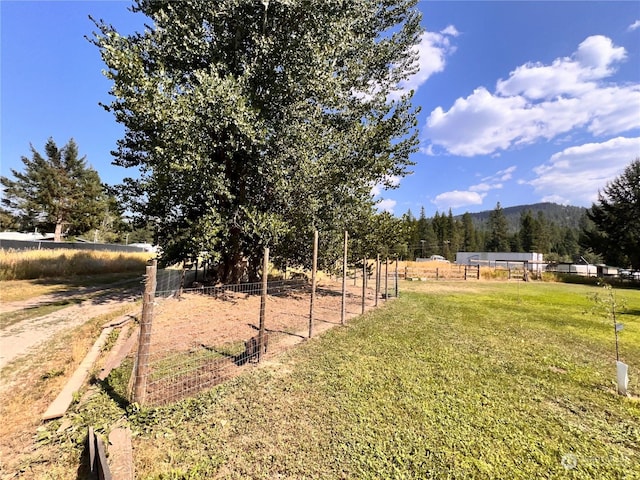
202,336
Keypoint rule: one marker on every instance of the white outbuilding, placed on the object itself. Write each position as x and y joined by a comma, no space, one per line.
533,261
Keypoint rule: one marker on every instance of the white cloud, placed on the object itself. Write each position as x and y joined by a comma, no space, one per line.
432,52
541,102
505,174
494,182
457,198
386,205
484,187
478,124
593,60
450,30
615,109
634,26
596,54
574,175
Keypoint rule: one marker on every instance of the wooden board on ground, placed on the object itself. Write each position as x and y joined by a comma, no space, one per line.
120,350
121,454
61,403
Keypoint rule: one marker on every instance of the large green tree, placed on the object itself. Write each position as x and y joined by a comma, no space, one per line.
498,239
254,123
615,232
527,231
469,237
57,191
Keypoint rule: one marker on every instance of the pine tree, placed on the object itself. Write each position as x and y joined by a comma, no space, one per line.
469,236
57,192
527,231
616,220
542,236
498,240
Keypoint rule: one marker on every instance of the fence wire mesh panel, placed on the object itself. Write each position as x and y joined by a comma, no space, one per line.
203,336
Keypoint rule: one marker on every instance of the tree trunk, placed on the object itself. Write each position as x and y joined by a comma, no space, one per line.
233,266
57,236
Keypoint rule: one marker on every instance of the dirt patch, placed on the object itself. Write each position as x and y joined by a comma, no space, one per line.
26,336
198,341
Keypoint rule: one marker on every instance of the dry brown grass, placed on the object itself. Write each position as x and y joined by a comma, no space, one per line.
13,290
32,264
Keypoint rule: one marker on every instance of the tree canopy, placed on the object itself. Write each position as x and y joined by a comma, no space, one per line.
55,192
253,123
615,232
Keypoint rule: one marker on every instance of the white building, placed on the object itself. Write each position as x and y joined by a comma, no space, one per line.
585,270
533,261
35,236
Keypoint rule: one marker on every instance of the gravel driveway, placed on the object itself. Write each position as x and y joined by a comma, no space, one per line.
28,335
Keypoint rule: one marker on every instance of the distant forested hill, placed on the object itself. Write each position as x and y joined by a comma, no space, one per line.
561,215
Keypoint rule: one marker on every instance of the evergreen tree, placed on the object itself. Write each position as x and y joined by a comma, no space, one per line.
498,240
542,236
439,224
568,247
515,244
452,237
9,221
427,242
412,233
616,220
527,231
59,192
469,237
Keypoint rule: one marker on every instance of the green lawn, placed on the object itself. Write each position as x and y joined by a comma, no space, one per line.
456,380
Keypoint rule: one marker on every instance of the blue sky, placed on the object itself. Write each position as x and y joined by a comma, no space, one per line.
521,102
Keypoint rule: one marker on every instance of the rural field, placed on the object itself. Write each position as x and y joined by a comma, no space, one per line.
451,380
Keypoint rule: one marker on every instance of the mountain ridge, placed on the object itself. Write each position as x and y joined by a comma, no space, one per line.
562,215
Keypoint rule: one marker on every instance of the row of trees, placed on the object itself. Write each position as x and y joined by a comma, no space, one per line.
252,124
608,232
60,192
445,235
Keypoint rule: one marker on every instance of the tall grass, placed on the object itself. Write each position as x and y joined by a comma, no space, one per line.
39,264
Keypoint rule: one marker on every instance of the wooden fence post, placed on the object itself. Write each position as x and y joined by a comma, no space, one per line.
314,269
396,277
386,279
377,278
364,281
144,339
343,312
183,275
263,302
